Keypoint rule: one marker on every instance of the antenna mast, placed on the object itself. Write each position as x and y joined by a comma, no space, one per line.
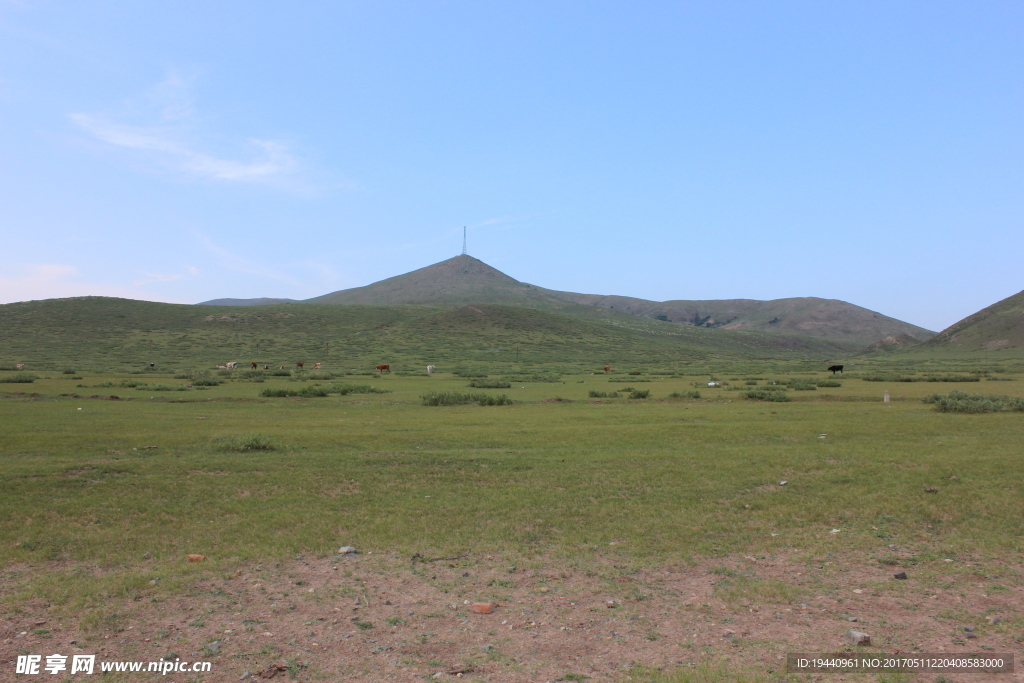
463,241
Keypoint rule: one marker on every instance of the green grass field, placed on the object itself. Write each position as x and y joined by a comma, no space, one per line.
665,479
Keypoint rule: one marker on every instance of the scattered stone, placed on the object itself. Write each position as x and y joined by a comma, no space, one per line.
857,638
213,647
971,636
931,489
439,674
482,607
902,576
196,558
783,483
147,447
545,589
244,676
346,550
994,620
852,619
611,604
969,629
148,556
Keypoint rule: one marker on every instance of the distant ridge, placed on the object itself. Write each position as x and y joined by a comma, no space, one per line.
465,280
264,301
999,327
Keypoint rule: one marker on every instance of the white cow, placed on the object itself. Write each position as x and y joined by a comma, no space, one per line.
316,366
430,369
231,366
19,366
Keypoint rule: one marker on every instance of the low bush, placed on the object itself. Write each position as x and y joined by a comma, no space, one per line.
320,391
764,394
490,384
249,374
245,444
960,402
824,383
540,377
801,384
278,393
952,378
281,372
142,386
632,379
128,384
20,378
453,398
751,382
684,394
68,371
603,394
637,393
205,382
8,366
635,372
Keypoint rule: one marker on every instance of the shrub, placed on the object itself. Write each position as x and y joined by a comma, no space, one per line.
490,384
540,377
952,378
131,384
684,394
751,382
603,394
206,382
960,402
20,378
636,372
764,394
142,386
452,398
245,444
345,389
249,374
8,366
637,393
68,371
278,393
224,373
829,383
281,373
801,384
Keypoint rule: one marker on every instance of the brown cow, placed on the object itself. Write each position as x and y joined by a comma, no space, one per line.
255,365
267,367
383,368
316,366
299,364
607,368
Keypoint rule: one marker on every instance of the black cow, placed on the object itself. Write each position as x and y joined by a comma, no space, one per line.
833,369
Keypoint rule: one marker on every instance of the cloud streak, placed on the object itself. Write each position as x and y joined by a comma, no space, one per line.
168,139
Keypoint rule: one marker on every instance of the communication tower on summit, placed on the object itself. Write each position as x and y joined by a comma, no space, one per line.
463,241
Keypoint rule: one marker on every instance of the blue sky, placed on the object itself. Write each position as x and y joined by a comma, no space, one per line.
864,151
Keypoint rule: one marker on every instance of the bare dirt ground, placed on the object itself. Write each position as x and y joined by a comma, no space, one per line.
387,618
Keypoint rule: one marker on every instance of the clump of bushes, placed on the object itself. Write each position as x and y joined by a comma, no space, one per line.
256,375
8,366
538,377
823,383
960,402
69,371
490,384
453,398
246,444
637,393
766,394
751,382
142,386
603,394
801,384
20,378
206,382
684,394
319,391
281,372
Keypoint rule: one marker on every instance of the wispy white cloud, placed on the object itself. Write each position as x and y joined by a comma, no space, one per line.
169,136
238,263
51,280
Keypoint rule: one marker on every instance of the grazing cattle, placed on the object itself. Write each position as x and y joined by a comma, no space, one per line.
316,366
255,365
19,366
430,369
267,367
152,365
384,367
282,367
834,368
607,368
222,367
300,364
231,366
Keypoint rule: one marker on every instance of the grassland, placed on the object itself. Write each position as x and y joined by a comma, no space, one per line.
114,470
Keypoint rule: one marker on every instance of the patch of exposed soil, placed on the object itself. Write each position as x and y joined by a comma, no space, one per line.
386,618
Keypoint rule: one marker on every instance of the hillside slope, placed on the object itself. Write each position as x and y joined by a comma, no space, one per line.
466,280
997,328
109,332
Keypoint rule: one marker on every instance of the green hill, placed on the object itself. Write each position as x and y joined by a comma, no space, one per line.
466,280
997,329
101,332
